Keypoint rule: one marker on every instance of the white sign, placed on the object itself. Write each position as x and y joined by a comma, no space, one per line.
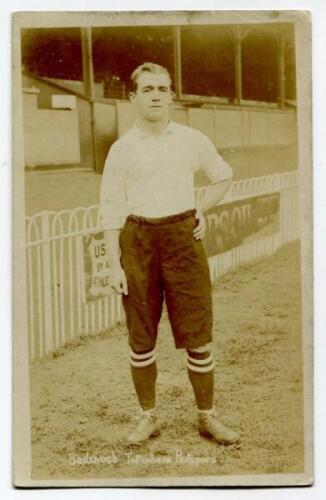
96,267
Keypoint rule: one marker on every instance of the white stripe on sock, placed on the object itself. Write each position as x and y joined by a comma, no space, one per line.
200,361
140,364
201,349
143,355
201,369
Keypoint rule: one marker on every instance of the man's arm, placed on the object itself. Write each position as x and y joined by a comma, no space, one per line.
118,280
213,194
112,215
219,174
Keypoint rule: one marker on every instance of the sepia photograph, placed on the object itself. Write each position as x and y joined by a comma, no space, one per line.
162,238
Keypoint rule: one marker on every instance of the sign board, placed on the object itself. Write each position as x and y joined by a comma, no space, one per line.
96,267
228,226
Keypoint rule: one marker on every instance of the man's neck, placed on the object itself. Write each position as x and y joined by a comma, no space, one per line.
154,128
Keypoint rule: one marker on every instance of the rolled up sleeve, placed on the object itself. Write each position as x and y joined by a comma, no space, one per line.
212,163
113,193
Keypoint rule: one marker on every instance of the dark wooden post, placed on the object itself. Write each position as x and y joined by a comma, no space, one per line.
238,65
177,62
281,72
88,82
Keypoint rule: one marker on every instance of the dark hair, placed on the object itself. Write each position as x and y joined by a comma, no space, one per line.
149,68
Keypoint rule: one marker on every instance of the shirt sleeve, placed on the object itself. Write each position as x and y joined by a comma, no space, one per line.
212,163
113,193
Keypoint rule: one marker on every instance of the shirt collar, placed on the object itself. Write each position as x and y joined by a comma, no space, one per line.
142,133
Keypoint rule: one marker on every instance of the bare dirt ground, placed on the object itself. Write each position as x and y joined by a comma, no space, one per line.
83,404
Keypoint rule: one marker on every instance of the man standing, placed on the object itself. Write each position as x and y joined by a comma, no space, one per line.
153,232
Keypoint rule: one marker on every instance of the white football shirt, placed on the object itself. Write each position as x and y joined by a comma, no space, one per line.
153,176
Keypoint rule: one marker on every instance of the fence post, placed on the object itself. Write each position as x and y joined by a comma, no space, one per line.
46,281
283,215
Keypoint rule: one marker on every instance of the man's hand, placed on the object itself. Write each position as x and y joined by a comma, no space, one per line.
199,231
118,280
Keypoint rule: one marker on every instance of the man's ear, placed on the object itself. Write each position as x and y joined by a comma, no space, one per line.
132,96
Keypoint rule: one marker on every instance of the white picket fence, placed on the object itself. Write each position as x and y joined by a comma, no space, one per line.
54,253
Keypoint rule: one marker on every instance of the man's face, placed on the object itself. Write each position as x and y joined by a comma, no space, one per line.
153,96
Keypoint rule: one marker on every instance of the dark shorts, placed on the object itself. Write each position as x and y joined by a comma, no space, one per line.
162,260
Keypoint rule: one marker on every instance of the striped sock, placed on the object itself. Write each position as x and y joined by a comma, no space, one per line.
144,374
201,375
